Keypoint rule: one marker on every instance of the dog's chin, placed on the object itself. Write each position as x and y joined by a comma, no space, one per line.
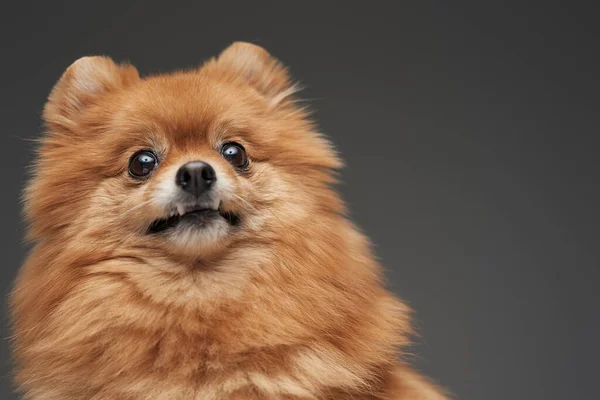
195,231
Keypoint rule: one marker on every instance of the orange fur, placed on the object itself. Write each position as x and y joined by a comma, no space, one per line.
287,306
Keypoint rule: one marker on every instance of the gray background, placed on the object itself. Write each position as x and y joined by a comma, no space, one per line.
470,131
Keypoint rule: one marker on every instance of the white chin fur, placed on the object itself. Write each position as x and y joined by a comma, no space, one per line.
199,239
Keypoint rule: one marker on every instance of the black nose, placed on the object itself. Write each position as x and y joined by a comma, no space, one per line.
195,177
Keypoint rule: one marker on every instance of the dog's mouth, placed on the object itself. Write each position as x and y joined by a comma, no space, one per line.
192,216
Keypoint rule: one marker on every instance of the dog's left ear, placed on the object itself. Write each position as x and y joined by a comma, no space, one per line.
84,82
260,70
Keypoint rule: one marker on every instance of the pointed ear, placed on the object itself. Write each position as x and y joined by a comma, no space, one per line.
260,70
81,84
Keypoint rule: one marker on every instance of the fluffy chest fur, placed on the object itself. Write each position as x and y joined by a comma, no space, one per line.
104,338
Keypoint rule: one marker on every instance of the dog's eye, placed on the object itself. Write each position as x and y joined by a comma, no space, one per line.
235,154
142,163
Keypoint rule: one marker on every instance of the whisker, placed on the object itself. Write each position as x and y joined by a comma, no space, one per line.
136,207
244,201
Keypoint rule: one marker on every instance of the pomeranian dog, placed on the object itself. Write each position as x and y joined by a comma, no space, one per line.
189,245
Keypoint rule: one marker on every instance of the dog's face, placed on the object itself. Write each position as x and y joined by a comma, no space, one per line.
191,164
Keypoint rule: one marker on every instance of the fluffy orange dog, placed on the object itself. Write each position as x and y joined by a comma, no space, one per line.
189,245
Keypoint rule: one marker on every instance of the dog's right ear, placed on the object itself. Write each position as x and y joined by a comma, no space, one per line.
81,84
260,70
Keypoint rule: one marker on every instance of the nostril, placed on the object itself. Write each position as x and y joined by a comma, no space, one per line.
183,177
208,174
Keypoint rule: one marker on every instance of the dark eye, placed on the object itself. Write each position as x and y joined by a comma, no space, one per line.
235,154
142,163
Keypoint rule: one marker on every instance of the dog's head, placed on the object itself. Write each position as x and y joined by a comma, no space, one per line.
190,163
